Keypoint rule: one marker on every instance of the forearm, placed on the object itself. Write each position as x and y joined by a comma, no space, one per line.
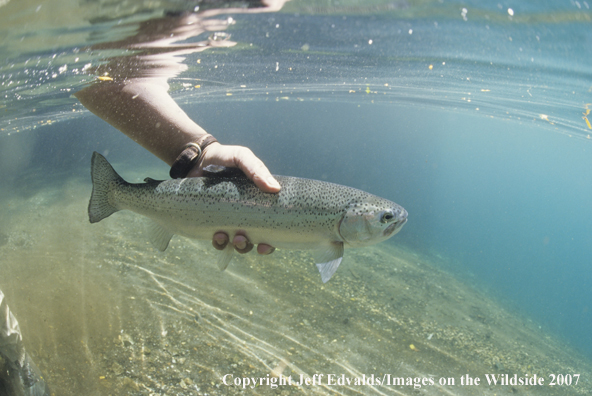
145,112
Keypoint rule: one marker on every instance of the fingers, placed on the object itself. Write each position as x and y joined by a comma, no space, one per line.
220,240
265,249
256,170
241,244
242,158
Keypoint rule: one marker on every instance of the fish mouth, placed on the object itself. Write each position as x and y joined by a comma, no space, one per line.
397,225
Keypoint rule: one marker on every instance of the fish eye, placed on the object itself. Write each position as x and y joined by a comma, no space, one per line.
386,217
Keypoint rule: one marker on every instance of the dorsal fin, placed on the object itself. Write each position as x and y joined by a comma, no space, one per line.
151,180
222,171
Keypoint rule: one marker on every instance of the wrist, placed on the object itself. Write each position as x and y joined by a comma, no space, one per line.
190,156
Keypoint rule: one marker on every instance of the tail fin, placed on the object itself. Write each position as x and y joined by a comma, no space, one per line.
102,174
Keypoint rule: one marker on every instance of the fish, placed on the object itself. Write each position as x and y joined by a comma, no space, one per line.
306,214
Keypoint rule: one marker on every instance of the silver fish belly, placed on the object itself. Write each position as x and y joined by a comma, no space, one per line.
306,214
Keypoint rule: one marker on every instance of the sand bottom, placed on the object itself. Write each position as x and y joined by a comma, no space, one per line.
105,313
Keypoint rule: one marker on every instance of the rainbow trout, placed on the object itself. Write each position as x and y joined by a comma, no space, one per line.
305,214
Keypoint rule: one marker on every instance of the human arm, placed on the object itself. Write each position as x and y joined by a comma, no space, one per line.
143,110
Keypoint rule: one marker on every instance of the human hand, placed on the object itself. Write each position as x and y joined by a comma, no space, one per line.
240,242
244,159
237,157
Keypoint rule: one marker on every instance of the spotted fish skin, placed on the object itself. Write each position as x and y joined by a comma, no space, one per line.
305,214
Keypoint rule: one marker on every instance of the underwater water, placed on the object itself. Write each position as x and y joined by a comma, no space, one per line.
471,115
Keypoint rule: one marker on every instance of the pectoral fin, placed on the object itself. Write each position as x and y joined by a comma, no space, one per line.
225,257
328,260
159,236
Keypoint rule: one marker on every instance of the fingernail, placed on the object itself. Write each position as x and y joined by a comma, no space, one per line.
272,182
241,245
